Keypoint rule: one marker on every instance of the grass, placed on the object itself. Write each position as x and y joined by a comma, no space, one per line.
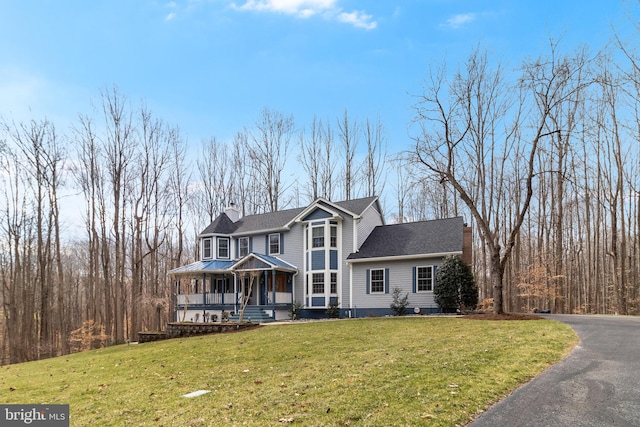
369,372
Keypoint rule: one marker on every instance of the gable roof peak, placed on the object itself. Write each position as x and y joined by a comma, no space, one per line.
353,207
283,219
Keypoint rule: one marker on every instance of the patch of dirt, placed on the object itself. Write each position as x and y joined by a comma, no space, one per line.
505,316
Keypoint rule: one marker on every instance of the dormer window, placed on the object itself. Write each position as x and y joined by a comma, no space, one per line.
223,248
206,248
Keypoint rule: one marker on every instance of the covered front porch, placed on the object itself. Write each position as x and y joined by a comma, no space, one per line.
216,289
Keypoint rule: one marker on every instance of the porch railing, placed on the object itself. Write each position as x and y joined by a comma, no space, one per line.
281,298
229,298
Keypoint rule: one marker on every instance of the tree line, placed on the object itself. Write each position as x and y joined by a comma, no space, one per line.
143,194
543,162
546,163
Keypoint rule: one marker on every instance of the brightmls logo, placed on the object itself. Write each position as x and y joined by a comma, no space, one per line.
34,415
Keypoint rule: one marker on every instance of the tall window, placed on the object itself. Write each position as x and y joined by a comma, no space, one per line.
223,248
318,237
274,244
206,248
334,283
219,286
334,236
424,279
377,281
243,246
318,283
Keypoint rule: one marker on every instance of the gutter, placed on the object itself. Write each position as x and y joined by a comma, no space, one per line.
401,257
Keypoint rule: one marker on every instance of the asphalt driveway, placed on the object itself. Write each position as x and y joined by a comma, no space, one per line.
598,384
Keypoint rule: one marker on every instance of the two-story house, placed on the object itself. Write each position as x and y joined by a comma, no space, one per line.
326,253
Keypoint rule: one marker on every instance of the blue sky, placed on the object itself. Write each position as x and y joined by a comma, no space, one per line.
211,66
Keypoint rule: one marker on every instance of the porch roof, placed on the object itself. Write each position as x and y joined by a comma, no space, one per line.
205,266
273,263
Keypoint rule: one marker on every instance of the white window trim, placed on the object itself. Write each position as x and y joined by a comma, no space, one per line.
324,284
371,291
313,246
220,239
333,227
331,275
279,244
204,254
418,291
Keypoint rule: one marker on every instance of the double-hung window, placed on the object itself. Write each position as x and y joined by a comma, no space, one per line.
317,282
206,248
274,244
334,236
243,246
223,247
424,279
334,283
318,237
377,281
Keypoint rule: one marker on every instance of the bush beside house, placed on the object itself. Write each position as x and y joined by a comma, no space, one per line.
455,287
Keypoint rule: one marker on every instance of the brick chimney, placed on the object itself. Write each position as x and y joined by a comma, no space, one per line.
467,245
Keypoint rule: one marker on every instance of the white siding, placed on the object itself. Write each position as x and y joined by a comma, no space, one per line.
371,218
294,246
345,250
294,255
400,276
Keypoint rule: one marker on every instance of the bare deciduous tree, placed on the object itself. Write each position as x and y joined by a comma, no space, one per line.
269,145
484,144
348,132
374,163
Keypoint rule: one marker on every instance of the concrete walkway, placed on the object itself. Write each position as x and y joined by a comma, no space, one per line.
597,385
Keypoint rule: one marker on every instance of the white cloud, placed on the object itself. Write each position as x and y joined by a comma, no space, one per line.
308,8
462,19
170,16
358,19
300,8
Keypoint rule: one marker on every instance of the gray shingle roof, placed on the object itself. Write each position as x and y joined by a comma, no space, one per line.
415,238
221,225
275,220
266,221
357,206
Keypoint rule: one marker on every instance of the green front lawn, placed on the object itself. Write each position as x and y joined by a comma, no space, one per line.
436,371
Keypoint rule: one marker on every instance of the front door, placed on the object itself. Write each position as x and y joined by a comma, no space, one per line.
253,293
